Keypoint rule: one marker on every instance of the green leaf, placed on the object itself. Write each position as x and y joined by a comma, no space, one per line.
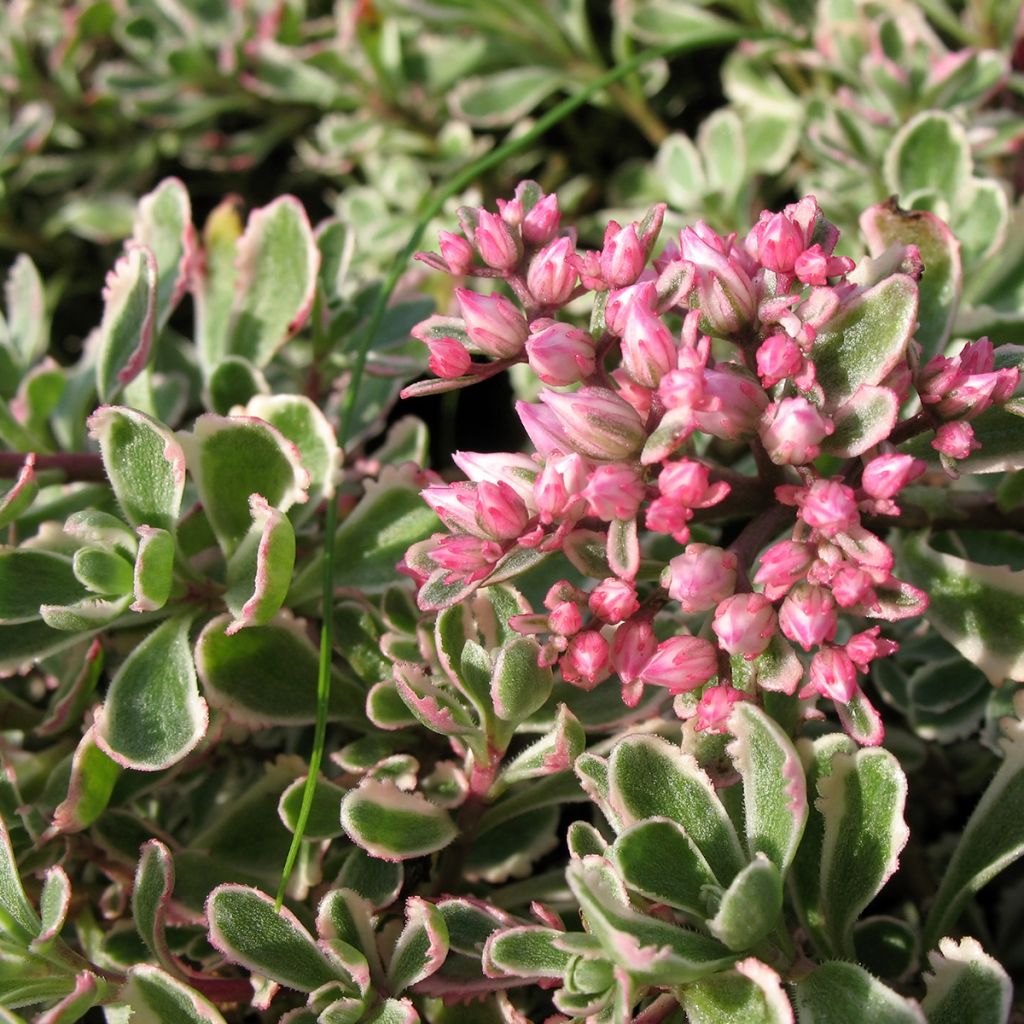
153,715
993,837
681,171
260,570
886,946
88,614
750,907
864,421
151,891
862,801
27,329
866,339
377,881
528,951
157,998
774,792
30,578
661,22
650,778
323,820
214,287
145,465
18,498
267,675
93,776
504,97
657,859
163,225
421,947
977,608
519,686
940,287
247,929
556,751
102,572
19,914
841,993
233,457
276,266
54,900
392,824
126,333
930,152
752,993
153,575
965,984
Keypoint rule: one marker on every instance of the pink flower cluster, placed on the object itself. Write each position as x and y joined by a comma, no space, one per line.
711,342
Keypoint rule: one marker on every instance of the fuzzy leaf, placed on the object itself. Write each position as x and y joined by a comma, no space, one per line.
393,825
527,951
504,97
101,571
157,998
153,575
421,947
154,883
866,339
18,914
930,152
750,907
377,881
751,993
842,993
260,570
864,421
554,752
93,775
323,816
965,984
774,792
153,715
30,578
276,270
862,801
977,608
940,287
88,614
145,465
657,859
126,333
27,330
163,224
993,836
214,287
82,998
18,498
649,778
54,900
519,686
1000,432
247,929
267,675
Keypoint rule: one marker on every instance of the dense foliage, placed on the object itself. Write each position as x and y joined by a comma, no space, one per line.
698,703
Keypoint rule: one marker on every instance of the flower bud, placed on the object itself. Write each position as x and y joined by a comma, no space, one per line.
467,559
540,223
829,507
681,663
551,277
715,706
782,565
565,618
808,616
587,660
792,430
648,349
733,403
832,675
456,251
614,492
815,267
778,357
493,323
724,290
700,577
745,624
955,440
863,648
632,648
887,475
456,507
516,469
559,353
500,511
448,359
497,244
623,256
776,242
613,600
851,586
598,423
558,488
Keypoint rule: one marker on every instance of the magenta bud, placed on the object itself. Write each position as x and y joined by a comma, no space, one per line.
776,242
832,675
559,353
778,357
782,565
456,507
500,512
551,277
745,624
885,476
792,431
498,245
559,486
863,648
681,663
648,348
565,618
540,223
829,507
613,600
700,577
955,440
634,645
808,616
448,359
724,290
494,324
587,659
598,423
467,559
622,256
614,492
733,403
715,706
815,267
456,251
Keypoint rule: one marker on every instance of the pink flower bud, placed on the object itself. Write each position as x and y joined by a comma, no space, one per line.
619,307
648,350
886,475
681,663
829,507
623,256
792,430
725,292
782,565
500,511
586,661
688,483
456,251
551,277
493,323
700,577
559,353
598,423
448,359
467,559
851,586
541,221
777,242
614,492
666,515
613,600
778,357
745,624
814,267
519,471
565,618
715,706
456,506
808,616
955,440
634,645
863,648
832,675
559,487
497,244
543,429
733,403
